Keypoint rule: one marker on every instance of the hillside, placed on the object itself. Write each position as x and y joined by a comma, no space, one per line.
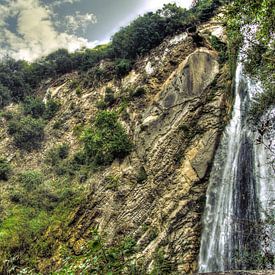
106,154
173,106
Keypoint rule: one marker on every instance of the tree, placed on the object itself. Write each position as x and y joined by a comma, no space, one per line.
5,95
13,76
27,132
242,15
61,61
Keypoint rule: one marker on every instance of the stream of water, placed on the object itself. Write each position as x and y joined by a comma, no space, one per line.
241,189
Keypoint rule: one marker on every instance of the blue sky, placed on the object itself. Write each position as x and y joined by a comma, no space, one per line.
30,29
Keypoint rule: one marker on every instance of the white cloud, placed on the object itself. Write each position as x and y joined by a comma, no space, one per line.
36,34
61,2
79,21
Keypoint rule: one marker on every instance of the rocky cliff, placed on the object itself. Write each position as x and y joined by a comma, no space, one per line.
180,101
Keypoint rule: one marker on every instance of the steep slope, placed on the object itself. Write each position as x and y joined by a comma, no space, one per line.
176,108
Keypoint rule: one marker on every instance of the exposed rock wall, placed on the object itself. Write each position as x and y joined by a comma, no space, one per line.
175,128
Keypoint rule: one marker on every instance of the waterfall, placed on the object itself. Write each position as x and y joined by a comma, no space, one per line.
241,187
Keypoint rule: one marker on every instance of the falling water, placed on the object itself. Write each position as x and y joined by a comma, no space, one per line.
241,186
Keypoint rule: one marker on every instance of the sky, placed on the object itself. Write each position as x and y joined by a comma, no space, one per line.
30,29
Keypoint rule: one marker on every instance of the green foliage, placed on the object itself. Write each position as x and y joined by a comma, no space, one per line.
203,10
8,115
143,34
30,213
61,61
101,105
106,140
33,106
59,162
52,107
99,258
5,95
19,228
109,97
142,175
112,182
27,132
37,108
57,153
13,76
220,47
63,151
162,265
30,179
261,103
74,84
58,124
147,31
5,169
123,66
259,62
260,12
20,78
78,91
138,92
85,59
35,204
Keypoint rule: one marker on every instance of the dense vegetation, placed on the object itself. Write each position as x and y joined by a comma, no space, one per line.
257,19
38,109
35,203
106,140
5,169
27,132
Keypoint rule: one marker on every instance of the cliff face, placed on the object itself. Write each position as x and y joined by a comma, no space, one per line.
175,124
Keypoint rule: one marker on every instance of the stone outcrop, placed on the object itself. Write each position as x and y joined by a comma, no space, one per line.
175,127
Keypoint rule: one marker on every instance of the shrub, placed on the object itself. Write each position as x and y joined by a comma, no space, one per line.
19,227
5,169
142,175
74,84
220,47
58,124
5,95
78,91
31,179
52,107
8,115
98,255
123,66
109,99
101,105
27,132
56,154
37,108
34,106
106,140
109,96
138,92
262,102
63,151
112,182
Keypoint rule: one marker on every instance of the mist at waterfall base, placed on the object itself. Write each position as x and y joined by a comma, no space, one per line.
240,194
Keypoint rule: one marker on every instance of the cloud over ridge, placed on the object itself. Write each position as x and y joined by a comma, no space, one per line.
36,34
